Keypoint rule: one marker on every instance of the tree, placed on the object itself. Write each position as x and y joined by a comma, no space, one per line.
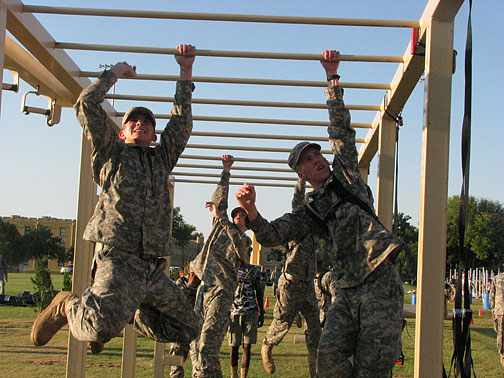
406,262
11,243
484,232
182,232
40,242
42,283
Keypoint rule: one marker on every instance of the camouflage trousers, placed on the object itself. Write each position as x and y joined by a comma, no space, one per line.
2,285
294,297
364,322
178,349
129,289
213,305
499,328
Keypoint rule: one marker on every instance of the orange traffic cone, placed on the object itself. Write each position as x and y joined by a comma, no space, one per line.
480,312
266,305
472,320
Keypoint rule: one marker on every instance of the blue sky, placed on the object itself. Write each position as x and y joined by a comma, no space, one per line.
40,174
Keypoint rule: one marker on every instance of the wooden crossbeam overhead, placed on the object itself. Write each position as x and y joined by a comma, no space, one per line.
221,17
247,81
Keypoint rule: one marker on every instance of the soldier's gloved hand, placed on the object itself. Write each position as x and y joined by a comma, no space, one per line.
260,321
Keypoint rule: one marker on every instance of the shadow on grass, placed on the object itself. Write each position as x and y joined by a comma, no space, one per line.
489,332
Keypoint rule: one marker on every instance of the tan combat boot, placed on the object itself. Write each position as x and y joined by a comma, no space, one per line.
312,363
267,358
51,320
244,372
234,371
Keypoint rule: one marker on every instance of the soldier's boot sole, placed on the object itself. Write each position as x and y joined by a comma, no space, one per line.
96,347
234,371
50,321
267,358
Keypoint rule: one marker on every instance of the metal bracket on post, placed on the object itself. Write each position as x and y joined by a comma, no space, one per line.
12,87
53,113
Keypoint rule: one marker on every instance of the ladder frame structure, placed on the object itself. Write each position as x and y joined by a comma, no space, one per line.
44,63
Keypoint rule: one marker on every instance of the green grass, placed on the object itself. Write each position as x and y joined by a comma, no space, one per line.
20,359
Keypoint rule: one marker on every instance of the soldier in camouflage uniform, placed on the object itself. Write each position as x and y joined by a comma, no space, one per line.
295,294
189,287
217,266
365,321
274,276
325,288
4,275
497,304
131,223
247,303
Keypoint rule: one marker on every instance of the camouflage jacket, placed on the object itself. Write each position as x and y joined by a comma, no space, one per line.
497,294
300,264
249,282
219,259
134,209
359,243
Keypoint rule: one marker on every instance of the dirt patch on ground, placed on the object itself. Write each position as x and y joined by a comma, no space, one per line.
62,362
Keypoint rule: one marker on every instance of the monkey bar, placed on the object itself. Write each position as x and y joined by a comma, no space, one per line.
44,63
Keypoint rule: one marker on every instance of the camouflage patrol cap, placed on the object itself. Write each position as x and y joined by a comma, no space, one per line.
236,210
297,150
139,110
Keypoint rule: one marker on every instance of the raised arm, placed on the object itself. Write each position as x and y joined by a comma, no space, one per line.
221,193
178,130
290,226
341,134
93,119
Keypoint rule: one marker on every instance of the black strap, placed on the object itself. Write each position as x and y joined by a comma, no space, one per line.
462,358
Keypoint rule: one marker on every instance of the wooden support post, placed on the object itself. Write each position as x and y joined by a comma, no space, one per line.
76,358
385,181
129,352
3,25
433,200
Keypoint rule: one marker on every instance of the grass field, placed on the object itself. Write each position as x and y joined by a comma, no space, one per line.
20,359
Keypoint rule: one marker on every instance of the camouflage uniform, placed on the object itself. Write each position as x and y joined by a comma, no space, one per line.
243,327
182,349
217,266
131,228
325,291
295,287
366,318
497,304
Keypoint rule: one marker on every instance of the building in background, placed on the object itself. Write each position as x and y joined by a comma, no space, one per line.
62,228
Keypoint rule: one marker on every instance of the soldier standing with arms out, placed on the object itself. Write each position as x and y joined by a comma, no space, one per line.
325,288
131,223
217,266
189,287
4,276
274,276
365,321
244,317
497,304
295,294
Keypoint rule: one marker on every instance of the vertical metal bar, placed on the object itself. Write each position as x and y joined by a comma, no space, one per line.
433,200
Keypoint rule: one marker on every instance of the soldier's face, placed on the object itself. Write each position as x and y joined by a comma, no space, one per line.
138,130
239,219
313,167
